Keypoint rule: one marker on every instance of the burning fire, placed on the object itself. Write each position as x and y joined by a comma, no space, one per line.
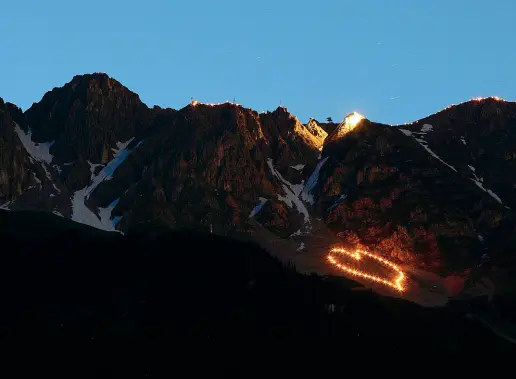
195,103
485,98
352,120
349,123
477,99
397,283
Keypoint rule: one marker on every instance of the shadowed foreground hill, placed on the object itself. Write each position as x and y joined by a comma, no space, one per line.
78,284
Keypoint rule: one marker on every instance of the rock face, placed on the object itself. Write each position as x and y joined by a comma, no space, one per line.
328,127
438,193
120,164
86,119
478,138
380,187
206,167
25,179
14,160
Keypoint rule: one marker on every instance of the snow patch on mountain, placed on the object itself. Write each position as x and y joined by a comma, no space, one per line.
107,172
292,191
296,233
427,128
105,215
306,195
36,179
49,177
424,144
93,167
298,167
38,151
479,182
493,195
258,208
5,206
80,212
120,146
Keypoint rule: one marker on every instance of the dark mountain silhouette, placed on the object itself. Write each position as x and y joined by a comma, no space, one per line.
71,282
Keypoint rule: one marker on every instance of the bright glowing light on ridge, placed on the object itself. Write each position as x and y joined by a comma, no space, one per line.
352,120
496,98
349,124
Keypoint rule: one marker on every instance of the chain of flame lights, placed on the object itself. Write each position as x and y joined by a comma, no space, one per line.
357,255
477,99
195,103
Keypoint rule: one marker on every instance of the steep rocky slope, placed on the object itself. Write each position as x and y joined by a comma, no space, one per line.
383,189
478,139
13,158
88,120
26,177
207,167
119,164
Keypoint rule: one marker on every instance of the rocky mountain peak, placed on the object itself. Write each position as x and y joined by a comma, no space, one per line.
15,113
476,110
314,128
98,79
86,117
490,107
87,89
282,110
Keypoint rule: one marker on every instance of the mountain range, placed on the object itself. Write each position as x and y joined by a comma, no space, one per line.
437,194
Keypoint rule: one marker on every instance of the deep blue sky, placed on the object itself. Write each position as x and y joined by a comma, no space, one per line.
392,60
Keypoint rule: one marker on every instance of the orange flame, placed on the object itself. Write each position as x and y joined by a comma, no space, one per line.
195,103
349,124
352,120
397,283
496,98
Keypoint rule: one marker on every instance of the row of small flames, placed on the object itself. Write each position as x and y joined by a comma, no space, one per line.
396,283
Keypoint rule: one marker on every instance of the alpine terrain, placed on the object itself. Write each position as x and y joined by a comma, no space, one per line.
437,196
